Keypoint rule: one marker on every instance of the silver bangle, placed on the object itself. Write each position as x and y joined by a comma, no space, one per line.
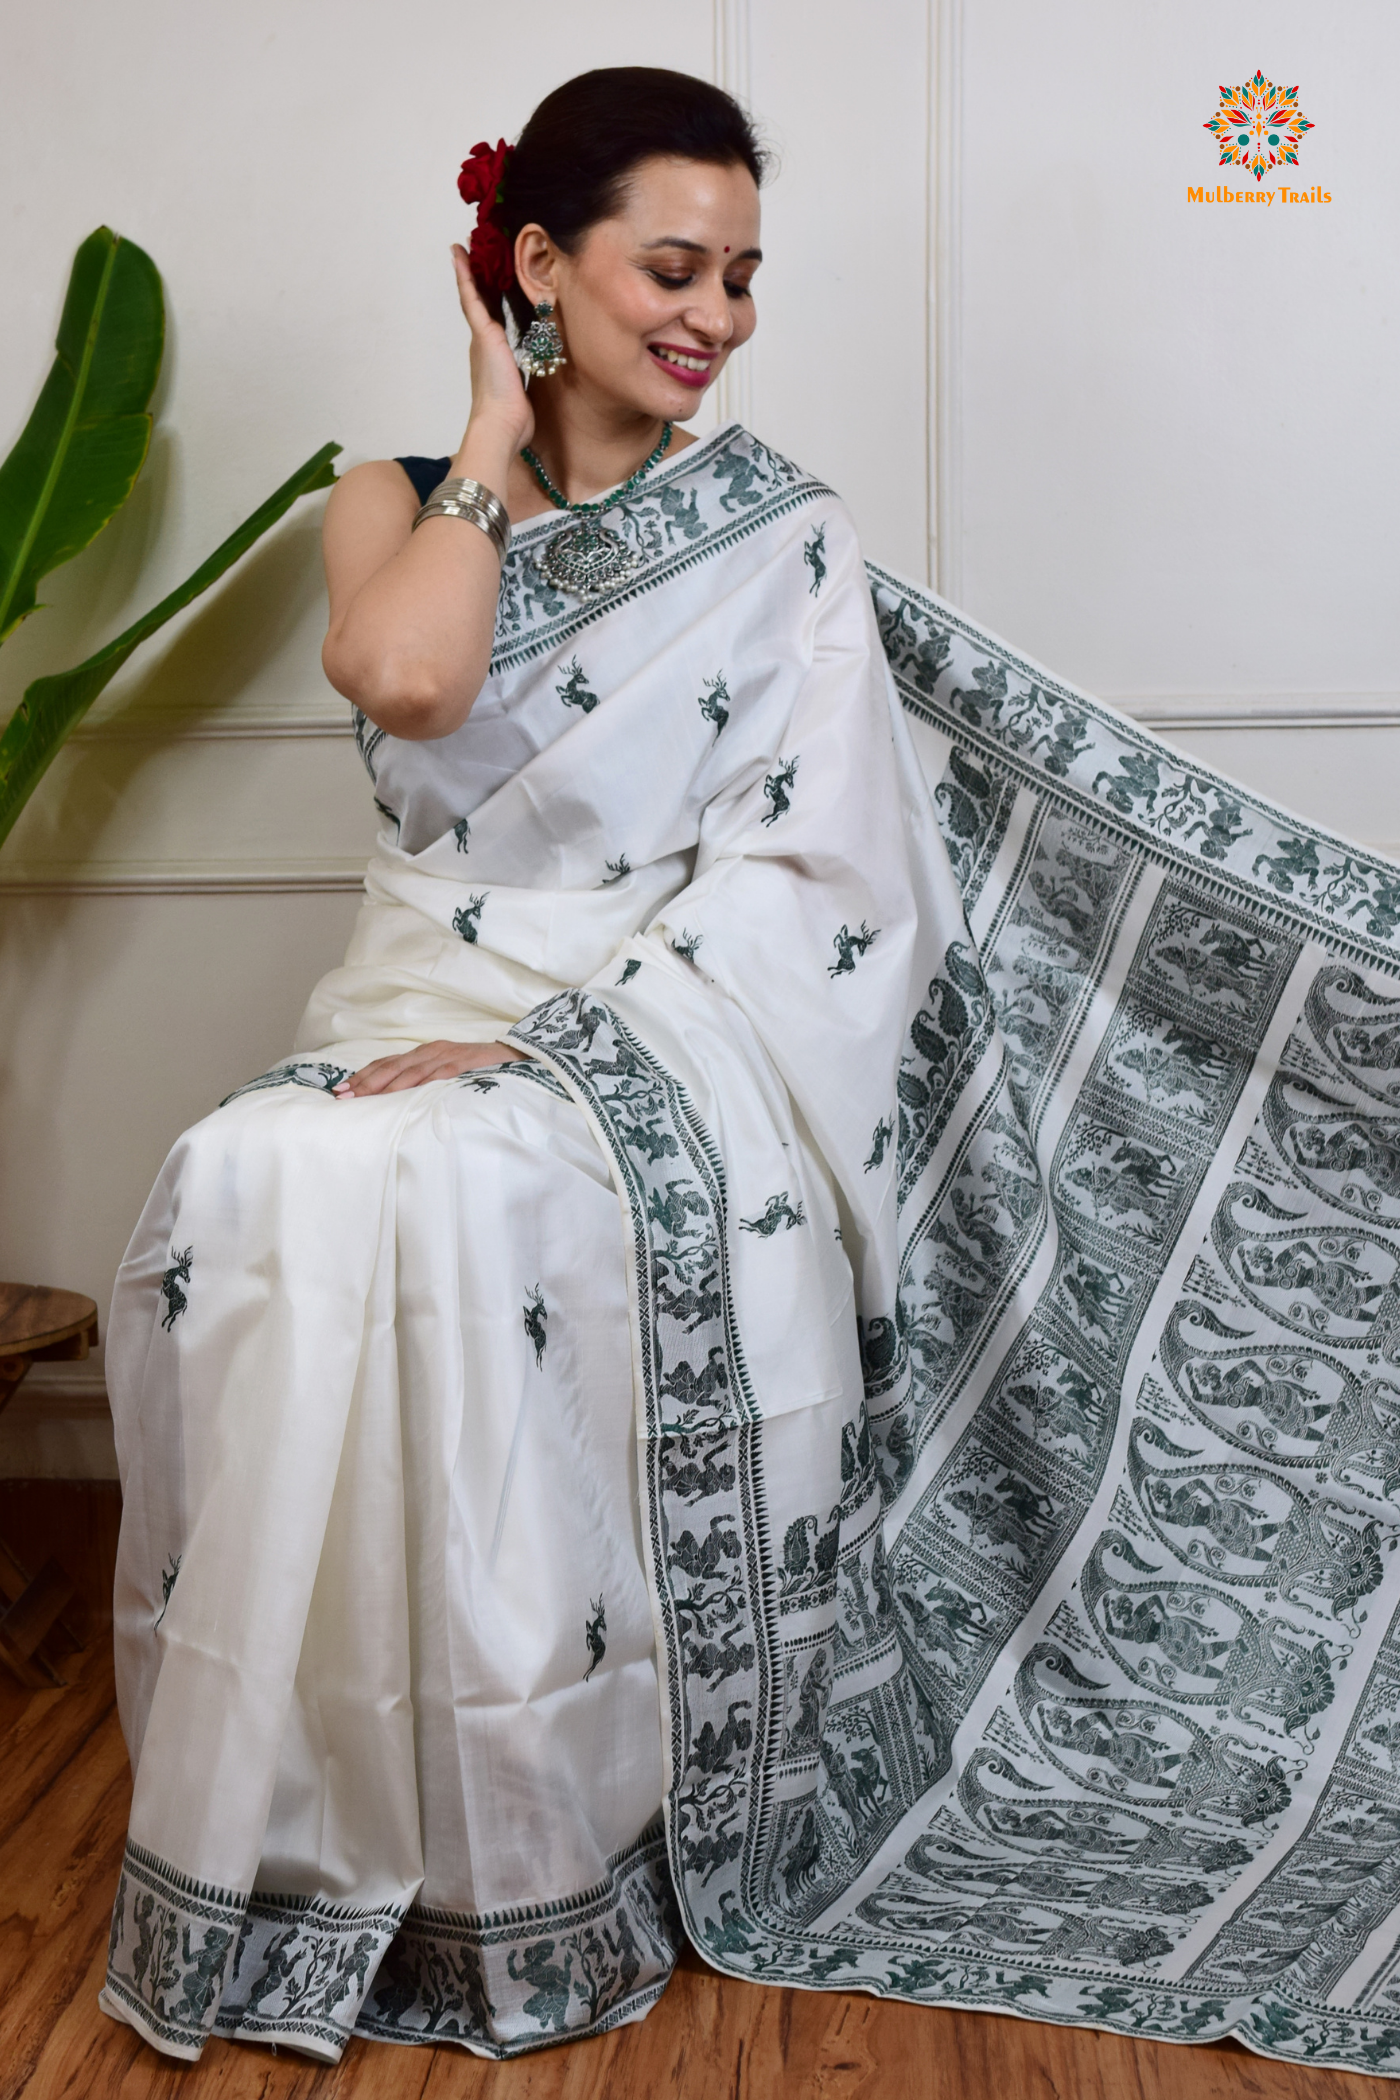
462,498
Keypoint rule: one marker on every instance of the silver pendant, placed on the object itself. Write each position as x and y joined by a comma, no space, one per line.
588,559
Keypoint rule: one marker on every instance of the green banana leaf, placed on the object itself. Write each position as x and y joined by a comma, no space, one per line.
80,452
53,706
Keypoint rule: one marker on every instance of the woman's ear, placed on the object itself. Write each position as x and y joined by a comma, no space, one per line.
536,264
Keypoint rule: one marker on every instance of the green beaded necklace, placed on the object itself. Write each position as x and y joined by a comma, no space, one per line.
589,559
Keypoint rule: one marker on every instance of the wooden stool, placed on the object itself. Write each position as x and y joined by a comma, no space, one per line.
36,1326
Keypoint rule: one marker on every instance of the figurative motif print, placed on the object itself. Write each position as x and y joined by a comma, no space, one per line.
175,1275
777,1211
595,1636
486,1079
714,702
567,1968
849,946
618,870
467,919
688,946
1196,1649
167,1584
462,832
189,1960
775,789
321,1077
536,1314
721,492
576,691
814,554
884,1131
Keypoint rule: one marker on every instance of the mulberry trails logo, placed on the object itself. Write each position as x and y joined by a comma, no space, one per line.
1258,128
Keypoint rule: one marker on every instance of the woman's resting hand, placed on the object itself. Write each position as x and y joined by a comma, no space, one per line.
390,1075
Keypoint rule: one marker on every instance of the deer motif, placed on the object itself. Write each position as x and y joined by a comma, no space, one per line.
467,921
775,787
814,554
594,1634
778,1212
848,945
175,1275
576,691
713,703
536,1313
884,1131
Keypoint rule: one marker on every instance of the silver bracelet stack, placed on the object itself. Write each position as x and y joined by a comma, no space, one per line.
459,498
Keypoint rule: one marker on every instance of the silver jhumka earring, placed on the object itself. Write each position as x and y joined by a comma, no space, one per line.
541,352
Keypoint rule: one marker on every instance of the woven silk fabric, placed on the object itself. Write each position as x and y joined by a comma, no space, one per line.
1002,1116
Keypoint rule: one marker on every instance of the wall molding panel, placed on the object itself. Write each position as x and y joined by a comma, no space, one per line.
945,294
195,726
129,878
1260,710
733,71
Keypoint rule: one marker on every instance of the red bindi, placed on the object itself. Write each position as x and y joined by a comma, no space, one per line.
726,251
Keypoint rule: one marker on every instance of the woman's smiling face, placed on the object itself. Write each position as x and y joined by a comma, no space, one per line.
657,296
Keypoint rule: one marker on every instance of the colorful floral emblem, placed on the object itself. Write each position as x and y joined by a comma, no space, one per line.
1259,126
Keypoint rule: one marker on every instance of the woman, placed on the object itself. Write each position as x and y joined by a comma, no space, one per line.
690,1392
659,889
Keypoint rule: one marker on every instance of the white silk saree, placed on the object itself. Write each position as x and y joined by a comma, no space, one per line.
875,1447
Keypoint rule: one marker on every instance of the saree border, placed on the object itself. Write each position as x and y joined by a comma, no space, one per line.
762,482
1008,727
278,1968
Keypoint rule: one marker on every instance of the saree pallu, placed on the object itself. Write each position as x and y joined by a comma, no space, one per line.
962,1135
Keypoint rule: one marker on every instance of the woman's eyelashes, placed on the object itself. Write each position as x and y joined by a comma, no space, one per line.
678,284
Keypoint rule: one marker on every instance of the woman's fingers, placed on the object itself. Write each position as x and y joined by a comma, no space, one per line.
497,388
418,1067
473,306
372,1078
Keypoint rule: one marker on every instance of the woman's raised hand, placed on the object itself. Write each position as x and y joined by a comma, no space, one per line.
498,392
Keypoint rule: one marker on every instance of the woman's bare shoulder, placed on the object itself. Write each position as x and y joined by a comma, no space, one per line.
375,485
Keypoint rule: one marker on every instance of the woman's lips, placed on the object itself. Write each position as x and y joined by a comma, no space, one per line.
685,373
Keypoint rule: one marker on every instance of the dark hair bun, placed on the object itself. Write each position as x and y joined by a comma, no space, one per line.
571,164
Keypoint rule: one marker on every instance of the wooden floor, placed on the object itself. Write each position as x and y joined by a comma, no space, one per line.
64,1792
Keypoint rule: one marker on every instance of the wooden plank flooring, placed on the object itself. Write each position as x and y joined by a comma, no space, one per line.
64,1792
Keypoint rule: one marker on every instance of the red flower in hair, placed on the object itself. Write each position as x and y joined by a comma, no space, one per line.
491,251
482,175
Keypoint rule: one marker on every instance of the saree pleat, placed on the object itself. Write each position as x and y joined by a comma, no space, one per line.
876,1446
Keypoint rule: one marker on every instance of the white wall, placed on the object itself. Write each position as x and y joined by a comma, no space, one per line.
1171,430
1149,441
